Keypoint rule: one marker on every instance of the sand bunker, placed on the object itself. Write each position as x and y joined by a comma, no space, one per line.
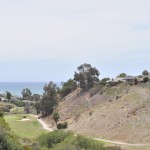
24,119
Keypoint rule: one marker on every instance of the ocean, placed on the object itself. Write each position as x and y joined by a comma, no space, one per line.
15,88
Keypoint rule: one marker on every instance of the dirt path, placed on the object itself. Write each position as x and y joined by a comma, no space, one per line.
42,123
122,143
109,141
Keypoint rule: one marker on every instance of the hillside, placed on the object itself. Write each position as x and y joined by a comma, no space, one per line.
116,113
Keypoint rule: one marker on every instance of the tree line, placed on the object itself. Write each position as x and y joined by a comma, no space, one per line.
84,77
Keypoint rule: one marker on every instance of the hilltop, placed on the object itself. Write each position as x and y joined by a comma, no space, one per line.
116,113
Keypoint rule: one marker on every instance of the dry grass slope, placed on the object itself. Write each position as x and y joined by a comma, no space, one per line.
116,113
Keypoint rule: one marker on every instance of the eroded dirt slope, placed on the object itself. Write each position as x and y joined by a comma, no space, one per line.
116,113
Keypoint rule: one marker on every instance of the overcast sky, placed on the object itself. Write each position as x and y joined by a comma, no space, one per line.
43,40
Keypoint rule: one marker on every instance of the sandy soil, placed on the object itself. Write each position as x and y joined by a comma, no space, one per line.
24,119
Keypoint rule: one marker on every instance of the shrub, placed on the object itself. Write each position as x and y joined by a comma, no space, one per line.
8,141
90,113
60,140
62,125
49,140
59,126
146,79
65,125
1,114
88,144
19,103
56,117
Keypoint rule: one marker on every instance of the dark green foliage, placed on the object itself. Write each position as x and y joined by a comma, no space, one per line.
7,140
19,103
86,76
136,81
62,125
65,125
122,75
56,117
60,140
8,95
88,144
49,140
35,97
104,81
146,79
38,106
145,73
59,126
26,93
68,87
49,100
1,114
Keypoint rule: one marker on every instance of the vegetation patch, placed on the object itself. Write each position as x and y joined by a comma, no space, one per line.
60,140
24,129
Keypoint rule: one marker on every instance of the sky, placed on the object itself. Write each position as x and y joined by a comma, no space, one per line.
46,40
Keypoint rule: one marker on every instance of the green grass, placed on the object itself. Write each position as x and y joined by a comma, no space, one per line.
25,129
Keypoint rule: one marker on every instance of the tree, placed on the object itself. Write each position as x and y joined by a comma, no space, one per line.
35,97
8,95
38,106
27,108
135,81
145,73
122,75
68,87
104,81
26,93
49,100
56,117
86,76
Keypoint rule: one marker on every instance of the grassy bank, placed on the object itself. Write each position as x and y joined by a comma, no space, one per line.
24,129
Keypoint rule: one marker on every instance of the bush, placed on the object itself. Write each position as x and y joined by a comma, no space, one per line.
60,140
59,126
65,125
19,103
49,140
88,144
56,117
8,141
62,125
146,79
